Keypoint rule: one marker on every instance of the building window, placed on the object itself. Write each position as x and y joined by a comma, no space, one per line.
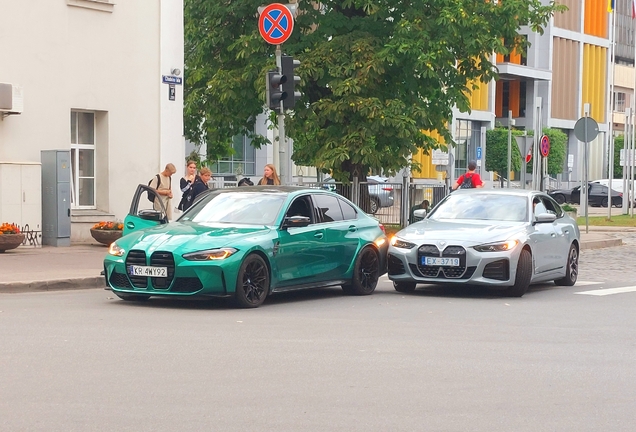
242,162
619,102
82,160
467,139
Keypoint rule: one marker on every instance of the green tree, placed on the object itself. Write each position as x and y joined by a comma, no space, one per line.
497,152
375,74
619,144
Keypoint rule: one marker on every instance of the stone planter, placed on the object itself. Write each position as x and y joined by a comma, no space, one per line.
572,214
106,237
10,241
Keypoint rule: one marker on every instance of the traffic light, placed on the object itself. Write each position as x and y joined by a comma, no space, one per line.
273,92
287,66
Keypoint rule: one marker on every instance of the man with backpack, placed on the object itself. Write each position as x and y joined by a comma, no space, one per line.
469,180
162,182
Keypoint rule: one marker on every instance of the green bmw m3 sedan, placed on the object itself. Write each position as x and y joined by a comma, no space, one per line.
247,243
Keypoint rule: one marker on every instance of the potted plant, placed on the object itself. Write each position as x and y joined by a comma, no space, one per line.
107,232
571,211
10,236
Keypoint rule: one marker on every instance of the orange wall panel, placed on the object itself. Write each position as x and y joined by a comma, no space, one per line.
596,20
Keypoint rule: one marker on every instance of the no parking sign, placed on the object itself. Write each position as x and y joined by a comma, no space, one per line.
275,23
544,145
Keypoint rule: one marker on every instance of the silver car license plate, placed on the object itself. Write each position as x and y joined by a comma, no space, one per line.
438,261
135,270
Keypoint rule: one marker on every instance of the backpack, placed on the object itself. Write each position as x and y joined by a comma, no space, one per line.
152,195
467,183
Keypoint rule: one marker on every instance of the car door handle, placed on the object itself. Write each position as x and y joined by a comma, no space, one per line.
318,235
553,235
130,225
353,228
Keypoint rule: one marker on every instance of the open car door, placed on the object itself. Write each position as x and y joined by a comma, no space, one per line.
142,212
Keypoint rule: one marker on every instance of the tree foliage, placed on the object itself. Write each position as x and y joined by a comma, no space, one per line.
497,151
619,144
375,74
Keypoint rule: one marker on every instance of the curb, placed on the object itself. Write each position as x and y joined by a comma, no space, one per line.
598,244
53,285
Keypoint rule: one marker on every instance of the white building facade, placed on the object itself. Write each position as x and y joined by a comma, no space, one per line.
90,76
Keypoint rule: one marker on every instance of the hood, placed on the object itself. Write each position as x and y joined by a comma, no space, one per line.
472,233
190,236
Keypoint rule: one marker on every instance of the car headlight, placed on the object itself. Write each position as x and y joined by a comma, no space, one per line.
211,254
402,244
497,247
115,250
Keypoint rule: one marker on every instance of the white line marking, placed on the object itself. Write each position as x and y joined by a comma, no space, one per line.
583,283
608,291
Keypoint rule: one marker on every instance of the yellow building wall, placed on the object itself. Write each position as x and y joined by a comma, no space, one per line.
594,79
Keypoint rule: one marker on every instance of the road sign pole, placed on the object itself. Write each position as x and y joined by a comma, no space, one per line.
279,156
509,146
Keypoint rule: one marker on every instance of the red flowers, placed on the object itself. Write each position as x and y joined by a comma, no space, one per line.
117,226
7,228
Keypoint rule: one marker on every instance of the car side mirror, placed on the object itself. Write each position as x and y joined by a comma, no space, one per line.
151,214
419,214
296,222
545,218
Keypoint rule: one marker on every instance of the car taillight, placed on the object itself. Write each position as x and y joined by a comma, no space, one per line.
388,188
382,228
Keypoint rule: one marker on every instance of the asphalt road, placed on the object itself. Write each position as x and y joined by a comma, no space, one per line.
441,359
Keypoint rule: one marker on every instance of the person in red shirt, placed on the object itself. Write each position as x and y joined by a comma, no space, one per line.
469,180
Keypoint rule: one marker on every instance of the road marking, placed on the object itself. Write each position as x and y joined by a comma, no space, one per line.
608,291
583,283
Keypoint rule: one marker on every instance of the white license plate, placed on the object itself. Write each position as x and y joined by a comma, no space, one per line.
148,271
435,261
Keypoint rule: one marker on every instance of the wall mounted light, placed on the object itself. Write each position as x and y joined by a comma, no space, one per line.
176,71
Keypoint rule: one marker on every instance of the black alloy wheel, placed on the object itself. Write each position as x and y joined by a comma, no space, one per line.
365,274
571,268
523,277
604,202
374,205
252,283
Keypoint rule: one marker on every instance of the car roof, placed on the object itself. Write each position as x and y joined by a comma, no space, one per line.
512,192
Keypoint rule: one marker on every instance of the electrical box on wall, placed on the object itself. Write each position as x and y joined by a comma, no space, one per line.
11,99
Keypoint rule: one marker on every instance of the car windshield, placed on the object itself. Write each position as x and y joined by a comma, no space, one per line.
478,206
243,208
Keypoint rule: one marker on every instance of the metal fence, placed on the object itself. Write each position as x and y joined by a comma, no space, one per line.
390,203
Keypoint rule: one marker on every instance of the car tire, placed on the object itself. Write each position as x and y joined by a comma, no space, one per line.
366,273
404,287
132,297
252,282
523,277
374,205
559,198
571,268
604,202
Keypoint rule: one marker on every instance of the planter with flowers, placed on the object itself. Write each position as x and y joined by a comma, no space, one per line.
107,232
10,236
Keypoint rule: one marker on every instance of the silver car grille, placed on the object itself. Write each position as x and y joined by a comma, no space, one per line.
446,272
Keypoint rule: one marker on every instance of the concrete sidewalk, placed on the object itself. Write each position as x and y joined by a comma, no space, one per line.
78,267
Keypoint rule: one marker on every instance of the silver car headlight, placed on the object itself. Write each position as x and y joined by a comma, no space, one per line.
115,250
497,247
402,244
211,254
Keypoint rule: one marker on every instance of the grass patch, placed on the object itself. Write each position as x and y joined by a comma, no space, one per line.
617,221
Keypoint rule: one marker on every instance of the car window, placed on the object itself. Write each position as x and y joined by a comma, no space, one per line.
301,206
348,212
245,208
327,208
552,206
480,206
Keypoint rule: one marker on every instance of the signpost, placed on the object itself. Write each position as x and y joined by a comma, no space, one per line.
586,130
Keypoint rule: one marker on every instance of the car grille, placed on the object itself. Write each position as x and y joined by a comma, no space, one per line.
187,285
396,266
499,270
137,257
445,272
157,259
162,259
119,280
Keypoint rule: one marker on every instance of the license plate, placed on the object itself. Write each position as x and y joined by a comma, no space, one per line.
148,271
435,261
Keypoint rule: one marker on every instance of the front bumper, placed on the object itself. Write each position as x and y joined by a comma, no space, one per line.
476,268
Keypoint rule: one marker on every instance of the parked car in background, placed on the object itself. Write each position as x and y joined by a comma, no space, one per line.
246,243
380,192
598,195
617,184
503,238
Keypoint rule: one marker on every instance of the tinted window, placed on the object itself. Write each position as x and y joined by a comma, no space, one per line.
348,211
301,207
327,208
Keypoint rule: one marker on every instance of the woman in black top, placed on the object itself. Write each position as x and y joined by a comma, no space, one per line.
186,185
270,177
